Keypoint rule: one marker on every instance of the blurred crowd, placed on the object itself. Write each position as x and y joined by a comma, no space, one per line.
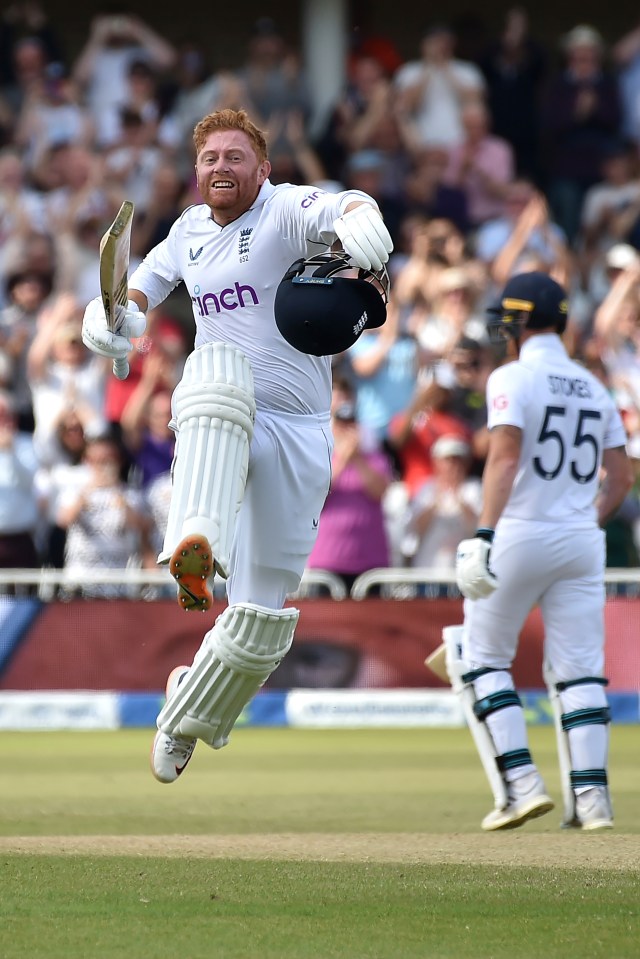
486,158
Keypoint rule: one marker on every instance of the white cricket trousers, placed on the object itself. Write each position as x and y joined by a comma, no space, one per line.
288,481
561,569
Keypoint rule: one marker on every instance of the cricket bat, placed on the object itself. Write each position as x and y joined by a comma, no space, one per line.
436,662
114,269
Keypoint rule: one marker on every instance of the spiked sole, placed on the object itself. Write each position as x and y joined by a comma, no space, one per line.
191,565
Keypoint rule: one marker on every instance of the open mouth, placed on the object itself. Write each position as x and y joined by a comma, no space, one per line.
222,185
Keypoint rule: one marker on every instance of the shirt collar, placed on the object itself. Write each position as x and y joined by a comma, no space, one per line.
542,343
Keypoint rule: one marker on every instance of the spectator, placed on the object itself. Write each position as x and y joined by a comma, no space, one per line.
607,213
27,294
364,105
194,89
617,333
463,375
134,159
515,66
107,527
25,20
433,89
352,535
18,505
581,113
526,229
52,114
425,190
626,58
271,77
481,165
444,509
102,67
60,470
414,430
452,313
384,364
62,372
146,433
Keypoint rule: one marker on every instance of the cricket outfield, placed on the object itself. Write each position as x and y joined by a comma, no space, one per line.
302,844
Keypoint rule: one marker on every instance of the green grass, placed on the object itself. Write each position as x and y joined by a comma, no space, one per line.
495,900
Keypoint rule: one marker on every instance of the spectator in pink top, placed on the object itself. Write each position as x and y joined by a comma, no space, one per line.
482,165
352,536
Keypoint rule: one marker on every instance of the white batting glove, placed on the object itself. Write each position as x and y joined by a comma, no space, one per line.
473,573
99,339
364,237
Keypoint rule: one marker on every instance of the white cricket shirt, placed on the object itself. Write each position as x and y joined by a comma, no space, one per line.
567,419
232,273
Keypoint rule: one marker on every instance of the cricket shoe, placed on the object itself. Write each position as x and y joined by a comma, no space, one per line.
191,565
593,809
527,799
170,754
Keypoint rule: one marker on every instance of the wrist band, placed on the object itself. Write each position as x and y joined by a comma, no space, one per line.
483,532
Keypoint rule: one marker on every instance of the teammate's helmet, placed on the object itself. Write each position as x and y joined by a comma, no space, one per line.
531,301
324,303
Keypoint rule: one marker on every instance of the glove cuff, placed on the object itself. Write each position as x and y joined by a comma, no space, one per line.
485,533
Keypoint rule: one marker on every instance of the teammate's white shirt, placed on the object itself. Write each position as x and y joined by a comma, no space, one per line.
567,419
232,274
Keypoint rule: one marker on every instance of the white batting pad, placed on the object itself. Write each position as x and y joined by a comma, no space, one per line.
452,636
235,659
214,408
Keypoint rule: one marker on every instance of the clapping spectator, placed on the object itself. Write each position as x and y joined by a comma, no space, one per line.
433,89
445,509
107,526
62,373
514,66
581,113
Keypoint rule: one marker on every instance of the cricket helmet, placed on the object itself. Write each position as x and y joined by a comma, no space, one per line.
531,301
324,303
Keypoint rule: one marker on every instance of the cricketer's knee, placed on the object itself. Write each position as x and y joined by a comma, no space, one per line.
245,646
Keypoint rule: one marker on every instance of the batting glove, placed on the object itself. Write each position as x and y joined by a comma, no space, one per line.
473,573
364,237
99,339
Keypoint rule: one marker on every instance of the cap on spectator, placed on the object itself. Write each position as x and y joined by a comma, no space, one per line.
449,446
582,35
621,256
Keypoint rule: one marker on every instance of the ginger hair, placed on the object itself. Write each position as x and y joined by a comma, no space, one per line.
230,120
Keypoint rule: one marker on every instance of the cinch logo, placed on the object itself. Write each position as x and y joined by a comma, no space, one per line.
360,325
311,198
232,298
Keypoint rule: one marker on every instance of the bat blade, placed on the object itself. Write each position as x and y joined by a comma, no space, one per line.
114,270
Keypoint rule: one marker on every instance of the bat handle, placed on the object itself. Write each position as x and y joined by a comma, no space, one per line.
121,368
